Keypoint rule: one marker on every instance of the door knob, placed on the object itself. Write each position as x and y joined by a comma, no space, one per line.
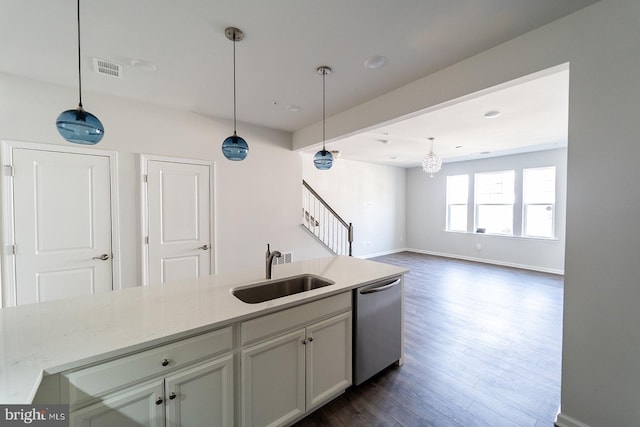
172,395
102,257
204,247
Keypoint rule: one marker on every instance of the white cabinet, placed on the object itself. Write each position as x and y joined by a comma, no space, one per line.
169,386
273,380
198,396
286,375
133,407
328,359
201,396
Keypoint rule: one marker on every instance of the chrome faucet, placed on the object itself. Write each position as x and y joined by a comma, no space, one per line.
269,260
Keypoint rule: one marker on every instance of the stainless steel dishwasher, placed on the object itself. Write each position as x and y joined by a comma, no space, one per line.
377,333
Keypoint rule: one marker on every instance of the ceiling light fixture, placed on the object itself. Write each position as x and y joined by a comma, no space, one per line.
80,126
323,159
374,62
234,147
492,114
431,163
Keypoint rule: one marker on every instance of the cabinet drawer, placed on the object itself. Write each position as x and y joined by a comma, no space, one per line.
82,386
257,329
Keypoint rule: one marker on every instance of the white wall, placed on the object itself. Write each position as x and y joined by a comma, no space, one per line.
426,216
257,200
372,197
601,338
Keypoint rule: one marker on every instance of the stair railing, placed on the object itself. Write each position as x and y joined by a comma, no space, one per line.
324,223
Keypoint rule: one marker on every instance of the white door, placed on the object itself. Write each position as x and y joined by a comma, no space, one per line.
179,217
62,223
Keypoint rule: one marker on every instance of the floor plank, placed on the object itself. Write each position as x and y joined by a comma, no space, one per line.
483,348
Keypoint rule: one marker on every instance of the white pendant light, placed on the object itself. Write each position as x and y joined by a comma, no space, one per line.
323,159
234,147
431,163
80,126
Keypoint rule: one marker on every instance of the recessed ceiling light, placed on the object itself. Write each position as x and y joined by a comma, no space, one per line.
492,114
374,62
485,152
385,141
458,146
293,108
393,157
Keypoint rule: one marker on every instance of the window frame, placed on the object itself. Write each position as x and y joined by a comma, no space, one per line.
448,205
525,204
511,205
519,207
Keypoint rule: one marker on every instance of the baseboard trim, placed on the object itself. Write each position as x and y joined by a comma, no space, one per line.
489,261
566,421
393,251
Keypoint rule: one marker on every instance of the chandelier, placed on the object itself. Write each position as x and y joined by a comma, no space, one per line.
431,163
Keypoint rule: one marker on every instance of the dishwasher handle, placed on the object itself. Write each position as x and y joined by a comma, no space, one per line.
379,288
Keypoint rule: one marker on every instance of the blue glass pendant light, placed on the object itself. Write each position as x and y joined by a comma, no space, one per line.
323,159
234,147
80,126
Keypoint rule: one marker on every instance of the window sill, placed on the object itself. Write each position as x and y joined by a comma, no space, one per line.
504,236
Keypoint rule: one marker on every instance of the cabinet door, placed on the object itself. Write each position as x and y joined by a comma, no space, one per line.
273,380
201,395
328,359
132,407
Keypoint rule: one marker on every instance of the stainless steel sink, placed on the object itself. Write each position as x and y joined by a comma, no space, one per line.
278,288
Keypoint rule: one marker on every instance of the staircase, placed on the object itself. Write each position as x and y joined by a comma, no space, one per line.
319,219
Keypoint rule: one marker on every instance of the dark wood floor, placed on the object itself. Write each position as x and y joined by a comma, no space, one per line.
483,348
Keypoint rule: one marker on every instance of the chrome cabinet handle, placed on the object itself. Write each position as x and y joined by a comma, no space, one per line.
165,362
310,339
304,341
102,257
159,400
204,247
172,395
307,340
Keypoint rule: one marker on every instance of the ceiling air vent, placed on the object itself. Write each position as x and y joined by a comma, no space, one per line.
107,68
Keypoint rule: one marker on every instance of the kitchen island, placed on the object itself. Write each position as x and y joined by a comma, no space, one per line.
53,337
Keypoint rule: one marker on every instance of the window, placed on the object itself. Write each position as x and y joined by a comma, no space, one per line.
538,202
457,199
494,199
518,202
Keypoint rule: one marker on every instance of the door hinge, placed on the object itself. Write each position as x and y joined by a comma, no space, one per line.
146,240
12,249
9,170
145,178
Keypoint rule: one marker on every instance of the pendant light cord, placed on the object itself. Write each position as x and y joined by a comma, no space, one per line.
79,62
234,82
324,73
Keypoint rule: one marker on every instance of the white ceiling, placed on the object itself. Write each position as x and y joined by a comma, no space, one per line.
533,116
285,41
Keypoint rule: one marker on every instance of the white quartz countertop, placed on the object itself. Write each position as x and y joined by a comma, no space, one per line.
51,337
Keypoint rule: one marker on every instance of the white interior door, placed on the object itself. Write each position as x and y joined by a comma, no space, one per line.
62,224
179,220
